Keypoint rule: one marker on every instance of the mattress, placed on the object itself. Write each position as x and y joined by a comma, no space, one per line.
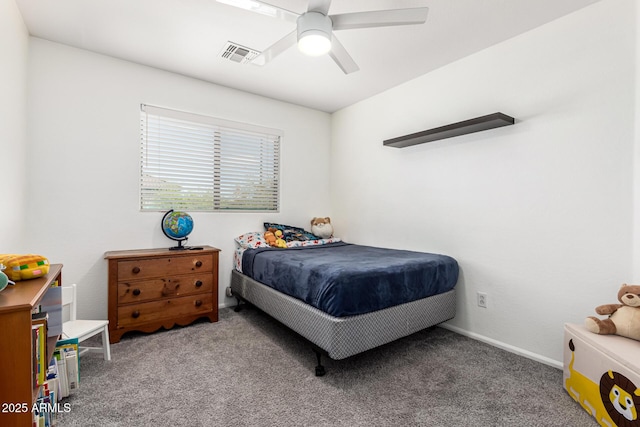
343,279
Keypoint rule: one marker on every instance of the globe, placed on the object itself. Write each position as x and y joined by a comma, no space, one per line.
177,226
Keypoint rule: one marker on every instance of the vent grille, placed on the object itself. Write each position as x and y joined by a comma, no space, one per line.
238,53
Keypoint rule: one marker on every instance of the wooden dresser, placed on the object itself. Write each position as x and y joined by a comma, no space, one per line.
154,288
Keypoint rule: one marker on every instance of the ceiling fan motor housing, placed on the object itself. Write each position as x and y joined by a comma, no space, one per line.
314,33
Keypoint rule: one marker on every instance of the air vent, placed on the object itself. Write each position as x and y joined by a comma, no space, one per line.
237,53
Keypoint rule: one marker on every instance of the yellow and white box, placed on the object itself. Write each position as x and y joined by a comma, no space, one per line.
602,374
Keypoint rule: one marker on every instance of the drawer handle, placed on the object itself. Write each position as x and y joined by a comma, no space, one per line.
198,303
198,283
135,270
198,264
136,292
135,314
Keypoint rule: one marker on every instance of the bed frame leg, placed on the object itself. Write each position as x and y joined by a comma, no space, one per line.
238,307
320,371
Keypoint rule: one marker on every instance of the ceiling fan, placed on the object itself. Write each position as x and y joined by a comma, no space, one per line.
315,27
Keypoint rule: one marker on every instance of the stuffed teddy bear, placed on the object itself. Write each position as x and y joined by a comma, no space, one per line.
322,227
624,319
274,238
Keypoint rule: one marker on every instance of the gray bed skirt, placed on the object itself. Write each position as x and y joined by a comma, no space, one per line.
342,337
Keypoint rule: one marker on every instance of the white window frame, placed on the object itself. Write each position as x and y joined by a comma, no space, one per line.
192,162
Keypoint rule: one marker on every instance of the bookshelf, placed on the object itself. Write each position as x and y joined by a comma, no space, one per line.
18,391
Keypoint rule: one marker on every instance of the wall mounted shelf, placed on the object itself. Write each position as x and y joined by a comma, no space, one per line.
490,121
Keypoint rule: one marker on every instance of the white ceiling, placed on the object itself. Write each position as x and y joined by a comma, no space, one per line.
187,36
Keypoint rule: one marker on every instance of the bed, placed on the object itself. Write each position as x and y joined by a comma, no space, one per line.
344,298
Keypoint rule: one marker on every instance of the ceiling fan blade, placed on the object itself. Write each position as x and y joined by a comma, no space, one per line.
341,57
321,6
263,8
380,18
276,49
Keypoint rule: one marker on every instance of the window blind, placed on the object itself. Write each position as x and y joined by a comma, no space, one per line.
200,163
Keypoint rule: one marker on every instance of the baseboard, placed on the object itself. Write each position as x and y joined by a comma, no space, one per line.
503,346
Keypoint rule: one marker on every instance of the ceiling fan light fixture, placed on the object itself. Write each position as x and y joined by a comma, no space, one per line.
314,44
314,33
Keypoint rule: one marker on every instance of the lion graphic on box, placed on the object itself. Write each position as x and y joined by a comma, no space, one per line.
614,402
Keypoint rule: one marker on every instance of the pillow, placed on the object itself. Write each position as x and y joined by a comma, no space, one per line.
290,233
24,267
253,239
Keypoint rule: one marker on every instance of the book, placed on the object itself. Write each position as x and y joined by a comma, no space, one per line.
67,359
62,373
73,375
46,407
40,351
53,378
35,348
41,318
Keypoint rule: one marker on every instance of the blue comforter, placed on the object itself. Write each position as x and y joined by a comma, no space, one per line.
343,279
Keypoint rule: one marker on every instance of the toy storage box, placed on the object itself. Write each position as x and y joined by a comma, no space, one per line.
602,373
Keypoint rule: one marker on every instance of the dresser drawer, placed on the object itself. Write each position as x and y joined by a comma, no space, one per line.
138,314
159,267
132,292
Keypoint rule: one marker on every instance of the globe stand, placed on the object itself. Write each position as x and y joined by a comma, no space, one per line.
179,247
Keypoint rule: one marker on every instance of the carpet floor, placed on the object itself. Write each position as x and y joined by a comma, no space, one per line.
249,370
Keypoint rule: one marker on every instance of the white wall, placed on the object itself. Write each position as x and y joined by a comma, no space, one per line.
539,215
636,238
84,162
14,43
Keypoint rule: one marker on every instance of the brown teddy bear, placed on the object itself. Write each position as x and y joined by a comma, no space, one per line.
624,319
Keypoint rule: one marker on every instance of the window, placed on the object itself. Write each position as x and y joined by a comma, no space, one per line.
199,163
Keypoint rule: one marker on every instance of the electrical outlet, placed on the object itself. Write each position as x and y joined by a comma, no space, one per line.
482,299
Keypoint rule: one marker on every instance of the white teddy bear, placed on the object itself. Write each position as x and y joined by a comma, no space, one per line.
322,227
